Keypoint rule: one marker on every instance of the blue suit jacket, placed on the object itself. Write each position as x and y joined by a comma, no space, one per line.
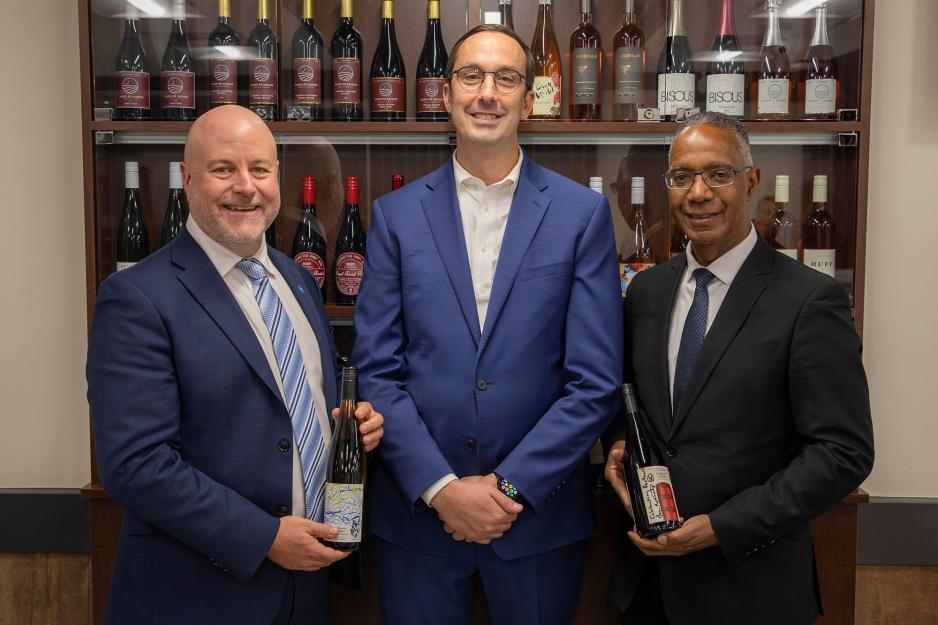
188,422
528,394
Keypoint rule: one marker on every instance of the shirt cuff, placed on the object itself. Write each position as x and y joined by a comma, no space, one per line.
436,487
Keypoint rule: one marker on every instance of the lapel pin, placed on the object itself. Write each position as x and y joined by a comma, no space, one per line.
300,287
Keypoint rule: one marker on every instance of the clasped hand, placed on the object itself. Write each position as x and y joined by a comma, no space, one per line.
473,509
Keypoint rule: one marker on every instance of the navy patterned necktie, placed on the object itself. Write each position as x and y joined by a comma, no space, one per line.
297,395
695,328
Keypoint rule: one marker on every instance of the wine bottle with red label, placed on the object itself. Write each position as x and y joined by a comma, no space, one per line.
349,248
307,65
347,49
263,73
132,73
178,70
388,75
654,508
431,70
309,243
223,44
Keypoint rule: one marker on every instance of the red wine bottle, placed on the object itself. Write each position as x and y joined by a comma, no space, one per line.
397,181
431,70
178,70
771,82
676,78
349,248
176,208
726,75
388,75
678,242
818,240
820,85
133,244
223,59
346,68
263,73
586,68
307,65
629,74
345,472
651,493
309,243
504,14
132,73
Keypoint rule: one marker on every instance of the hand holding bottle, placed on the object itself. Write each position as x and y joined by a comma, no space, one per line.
695,534
370,424
615,474
473,509
297,548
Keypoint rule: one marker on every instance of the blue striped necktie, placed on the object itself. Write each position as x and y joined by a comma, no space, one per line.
695,328
297,395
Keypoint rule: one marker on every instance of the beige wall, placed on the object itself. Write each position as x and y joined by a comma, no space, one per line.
43,418
43,415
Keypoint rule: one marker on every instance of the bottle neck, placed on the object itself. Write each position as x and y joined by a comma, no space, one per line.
131,28
820,27
586,12
349,392
629,16
676,19
773,34
433,11
727,26
545,16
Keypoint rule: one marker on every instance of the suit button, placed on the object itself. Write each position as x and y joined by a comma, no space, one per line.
283,510
481,384
670,452
283,445
470,444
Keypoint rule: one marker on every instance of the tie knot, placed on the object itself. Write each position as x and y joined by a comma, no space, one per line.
252,268
703,277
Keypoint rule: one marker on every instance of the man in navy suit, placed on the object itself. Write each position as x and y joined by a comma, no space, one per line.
193,436
489,331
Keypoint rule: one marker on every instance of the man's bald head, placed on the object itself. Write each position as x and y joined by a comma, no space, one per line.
229,121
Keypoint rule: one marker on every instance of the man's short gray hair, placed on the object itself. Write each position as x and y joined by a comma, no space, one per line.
719,120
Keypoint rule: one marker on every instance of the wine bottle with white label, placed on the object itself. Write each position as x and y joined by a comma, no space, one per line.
651,493
771,82
547,74
676,78
263,71
783,229
132,73
726,76
345,472
629,73
820,248
177,210
133,244
820,86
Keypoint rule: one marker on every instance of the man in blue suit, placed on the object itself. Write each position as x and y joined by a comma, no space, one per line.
489,331
210,372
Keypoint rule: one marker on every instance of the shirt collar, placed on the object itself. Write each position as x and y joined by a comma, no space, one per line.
464,178
728,265
221,257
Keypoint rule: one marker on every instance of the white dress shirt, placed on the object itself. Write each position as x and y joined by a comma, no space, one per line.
239,284
724,270
484,211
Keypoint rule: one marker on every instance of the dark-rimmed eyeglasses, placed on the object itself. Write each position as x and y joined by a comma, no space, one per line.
713,178
506,80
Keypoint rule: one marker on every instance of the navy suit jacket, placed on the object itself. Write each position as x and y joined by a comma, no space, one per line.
188,424
527,395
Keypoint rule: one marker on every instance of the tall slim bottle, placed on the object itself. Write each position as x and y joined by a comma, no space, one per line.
307,64
132,73
177,210
223,44
819,245
346,68
309,242
133,243
178,69
820,85
263,72
770,85
678,241
349,248
651,492
431,69
388,75
644,255
586,68
676,77
629,73
346,471
726,74
546,52
504,14
783,229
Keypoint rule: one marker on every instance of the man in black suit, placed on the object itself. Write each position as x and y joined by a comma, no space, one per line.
748,366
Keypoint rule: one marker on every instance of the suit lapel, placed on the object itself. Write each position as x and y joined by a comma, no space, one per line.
208,288
746,288
527,210
442,212
663,309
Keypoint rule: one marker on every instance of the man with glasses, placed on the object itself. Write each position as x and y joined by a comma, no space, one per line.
489,331
748,366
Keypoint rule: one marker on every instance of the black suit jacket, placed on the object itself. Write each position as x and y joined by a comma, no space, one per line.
773,429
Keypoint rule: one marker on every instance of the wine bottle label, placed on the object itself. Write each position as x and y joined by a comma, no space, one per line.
223,82
343,510
676,91
307,79
657,493
627,271
725,94
262,81
628,75
773,96
789,253
547,96
387,95
348,272
314,264
820,96
346,80
133,90
585,76
822,260
430,95
179,90
124,265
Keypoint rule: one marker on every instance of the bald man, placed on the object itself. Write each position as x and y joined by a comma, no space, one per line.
197,381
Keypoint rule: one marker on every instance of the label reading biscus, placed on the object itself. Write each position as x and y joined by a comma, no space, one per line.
343,510
657,493
676,91
725,94
307,78
314,265
133,90
348,272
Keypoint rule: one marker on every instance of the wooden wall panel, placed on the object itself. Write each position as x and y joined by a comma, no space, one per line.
897,595
45,589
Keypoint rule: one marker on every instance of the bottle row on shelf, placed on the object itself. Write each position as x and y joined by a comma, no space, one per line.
250,74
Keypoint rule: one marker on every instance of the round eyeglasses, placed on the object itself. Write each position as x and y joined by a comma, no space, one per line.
713,178
506,80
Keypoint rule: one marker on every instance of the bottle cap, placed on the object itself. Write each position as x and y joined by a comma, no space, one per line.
175,175
351,190
781,188
309,190
596,184
131,175
638,190
820,189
